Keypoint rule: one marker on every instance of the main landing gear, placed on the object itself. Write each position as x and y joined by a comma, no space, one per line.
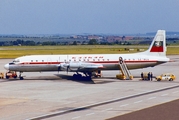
88,75
79,76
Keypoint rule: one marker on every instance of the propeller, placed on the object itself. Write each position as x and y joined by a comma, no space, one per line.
59,67
68,67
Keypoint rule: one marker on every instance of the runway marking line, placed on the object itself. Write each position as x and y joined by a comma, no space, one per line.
76,117
151,98
107,109
175,92
164,95
138,101
124,105
90,114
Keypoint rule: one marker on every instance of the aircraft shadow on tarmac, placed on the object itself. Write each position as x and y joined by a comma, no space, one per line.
84,79
81,80
58,77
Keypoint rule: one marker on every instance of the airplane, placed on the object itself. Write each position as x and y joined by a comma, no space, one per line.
88,64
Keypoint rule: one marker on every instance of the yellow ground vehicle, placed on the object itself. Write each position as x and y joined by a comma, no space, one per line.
123,77
166,76
1,75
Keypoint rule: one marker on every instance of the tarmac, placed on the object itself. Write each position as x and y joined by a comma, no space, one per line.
55,95
166,111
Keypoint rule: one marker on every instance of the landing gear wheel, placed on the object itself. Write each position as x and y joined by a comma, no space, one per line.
74,76
20,76
77,76
15,76
7,77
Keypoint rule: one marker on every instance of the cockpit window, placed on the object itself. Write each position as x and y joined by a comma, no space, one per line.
16,61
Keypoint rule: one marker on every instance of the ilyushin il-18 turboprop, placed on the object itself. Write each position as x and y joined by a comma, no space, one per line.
87,64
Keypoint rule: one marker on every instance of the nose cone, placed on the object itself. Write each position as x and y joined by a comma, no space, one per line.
6,66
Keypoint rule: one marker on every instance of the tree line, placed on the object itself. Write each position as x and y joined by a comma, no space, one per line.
20,42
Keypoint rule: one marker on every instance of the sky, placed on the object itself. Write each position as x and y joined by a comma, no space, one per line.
88,16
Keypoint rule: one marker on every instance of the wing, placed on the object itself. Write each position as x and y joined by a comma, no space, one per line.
81,67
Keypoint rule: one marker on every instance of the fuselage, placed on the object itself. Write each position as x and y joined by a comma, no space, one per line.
41,63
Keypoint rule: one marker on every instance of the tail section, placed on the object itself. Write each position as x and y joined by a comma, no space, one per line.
158,45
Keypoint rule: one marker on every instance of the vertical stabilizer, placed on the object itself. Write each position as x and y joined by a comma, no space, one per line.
158,45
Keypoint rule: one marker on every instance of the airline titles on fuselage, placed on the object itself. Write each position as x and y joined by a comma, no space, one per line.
100,58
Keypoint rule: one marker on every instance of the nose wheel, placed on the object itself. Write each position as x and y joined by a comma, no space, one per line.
20,76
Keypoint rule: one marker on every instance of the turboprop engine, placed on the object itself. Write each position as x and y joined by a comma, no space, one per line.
74,66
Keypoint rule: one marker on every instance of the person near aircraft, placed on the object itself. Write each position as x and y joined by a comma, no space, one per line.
142,76
151,76
148,76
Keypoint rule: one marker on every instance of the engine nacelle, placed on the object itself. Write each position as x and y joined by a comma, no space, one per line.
72,66
75,66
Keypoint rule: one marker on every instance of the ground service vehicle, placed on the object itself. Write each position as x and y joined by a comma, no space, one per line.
166,76
1,75
11,74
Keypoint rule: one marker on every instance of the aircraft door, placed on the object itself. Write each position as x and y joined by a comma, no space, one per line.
49,61
67,60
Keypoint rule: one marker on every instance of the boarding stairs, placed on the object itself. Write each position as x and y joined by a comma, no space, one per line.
124,70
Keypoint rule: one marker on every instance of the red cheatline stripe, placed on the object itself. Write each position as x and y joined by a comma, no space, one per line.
98,62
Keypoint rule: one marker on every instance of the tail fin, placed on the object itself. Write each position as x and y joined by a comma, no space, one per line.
158,45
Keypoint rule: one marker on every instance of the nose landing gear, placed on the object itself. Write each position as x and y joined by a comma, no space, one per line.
20,76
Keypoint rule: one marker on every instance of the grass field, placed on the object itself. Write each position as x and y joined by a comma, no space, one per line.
17,51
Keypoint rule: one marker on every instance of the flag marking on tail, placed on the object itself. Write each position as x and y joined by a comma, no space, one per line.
157,46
